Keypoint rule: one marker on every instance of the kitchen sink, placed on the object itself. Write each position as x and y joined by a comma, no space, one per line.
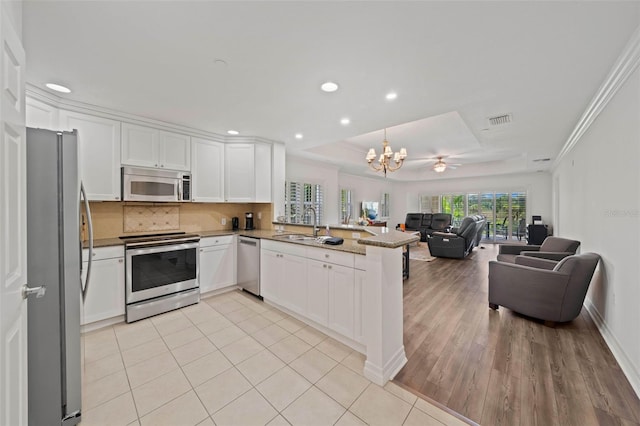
296,237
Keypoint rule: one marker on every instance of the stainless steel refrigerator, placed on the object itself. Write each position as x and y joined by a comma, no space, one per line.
54,262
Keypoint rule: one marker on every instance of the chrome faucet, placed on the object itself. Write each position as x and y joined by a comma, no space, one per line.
315,228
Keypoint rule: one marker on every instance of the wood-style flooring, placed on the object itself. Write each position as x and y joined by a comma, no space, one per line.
501,368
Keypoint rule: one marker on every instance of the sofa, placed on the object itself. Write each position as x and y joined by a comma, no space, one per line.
427,223
460,241
552,248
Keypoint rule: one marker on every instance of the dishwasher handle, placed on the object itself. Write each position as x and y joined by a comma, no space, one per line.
249,242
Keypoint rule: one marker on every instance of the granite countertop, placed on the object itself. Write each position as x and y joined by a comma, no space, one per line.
380,237
389,238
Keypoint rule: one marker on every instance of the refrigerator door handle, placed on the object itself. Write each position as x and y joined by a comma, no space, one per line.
87,210
30,291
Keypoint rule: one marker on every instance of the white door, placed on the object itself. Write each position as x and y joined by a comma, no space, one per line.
13,229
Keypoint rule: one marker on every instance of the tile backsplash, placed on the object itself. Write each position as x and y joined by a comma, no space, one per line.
112,219
151,218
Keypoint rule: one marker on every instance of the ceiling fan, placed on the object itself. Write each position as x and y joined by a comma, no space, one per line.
439,165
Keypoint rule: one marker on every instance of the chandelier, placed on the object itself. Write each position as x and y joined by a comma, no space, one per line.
384,162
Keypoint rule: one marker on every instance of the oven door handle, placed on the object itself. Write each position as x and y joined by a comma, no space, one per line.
147,248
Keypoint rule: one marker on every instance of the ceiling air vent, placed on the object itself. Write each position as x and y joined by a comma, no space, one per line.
499,120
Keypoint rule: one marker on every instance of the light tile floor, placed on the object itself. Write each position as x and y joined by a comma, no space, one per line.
233,360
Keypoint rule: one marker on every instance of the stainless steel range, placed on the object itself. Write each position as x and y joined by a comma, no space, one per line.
162,273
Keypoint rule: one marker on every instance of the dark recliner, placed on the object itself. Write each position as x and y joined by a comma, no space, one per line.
440,222
552,248
413,221
460,241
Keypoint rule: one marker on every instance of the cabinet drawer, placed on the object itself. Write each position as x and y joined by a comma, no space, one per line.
101,253
288,248
331,256
216,241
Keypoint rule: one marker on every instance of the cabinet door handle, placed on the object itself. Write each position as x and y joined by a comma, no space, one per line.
329,266
120,260
156,165
326,256
201,250
117,198
324,266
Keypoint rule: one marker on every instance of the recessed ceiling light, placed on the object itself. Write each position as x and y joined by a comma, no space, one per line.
233,132
345,121
391,96
329,86
58,88
298,135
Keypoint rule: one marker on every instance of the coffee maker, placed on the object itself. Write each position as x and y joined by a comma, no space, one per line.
235,224
248,221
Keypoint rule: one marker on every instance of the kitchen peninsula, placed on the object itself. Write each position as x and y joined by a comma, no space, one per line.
352,292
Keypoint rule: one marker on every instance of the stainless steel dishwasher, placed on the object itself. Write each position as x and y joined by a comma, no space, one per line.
249,264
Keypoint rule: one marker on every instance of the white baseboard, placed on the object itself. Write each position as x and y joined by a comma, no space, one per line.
619,354
380,375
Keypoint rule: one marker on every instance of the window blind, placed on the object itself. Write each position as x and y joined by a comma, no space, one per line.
299,196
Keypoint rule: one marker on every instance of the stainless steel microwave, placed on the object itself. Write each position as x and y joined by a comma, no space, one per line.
140,184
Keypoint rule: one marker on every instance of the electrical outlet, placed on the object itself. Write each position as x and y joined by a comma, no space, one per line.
223,221
259,215
355,235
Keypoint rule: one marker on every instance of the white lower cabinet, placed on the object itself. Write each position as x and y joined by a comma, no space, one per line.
319,284
293,287
270,275
341,299
318,291
105,294
283,276
217,263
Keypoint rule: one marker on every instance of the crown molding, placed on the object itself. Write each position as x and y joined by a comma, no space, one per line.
51,99
624,66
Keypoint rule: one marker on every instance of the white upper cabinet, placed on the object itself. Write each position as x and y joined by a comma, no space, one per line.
98,153
262,164
148,147
239,179
207,171
248,172
40,115
175,151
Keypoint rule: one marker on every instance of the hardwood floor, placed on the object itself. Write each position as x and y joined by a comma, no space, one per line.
501,368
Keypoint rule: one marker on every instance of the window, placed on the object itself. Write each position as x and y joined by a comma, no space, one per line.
384,205
455,205
298,197
430,204
346,209
505,211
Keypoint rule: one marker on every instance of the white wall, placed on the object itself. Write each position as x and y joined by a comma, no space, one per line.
536,185
404,196
598,203
365,189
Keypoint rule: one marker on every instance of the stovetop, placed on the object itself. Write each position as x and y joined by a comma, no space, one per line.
150,238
